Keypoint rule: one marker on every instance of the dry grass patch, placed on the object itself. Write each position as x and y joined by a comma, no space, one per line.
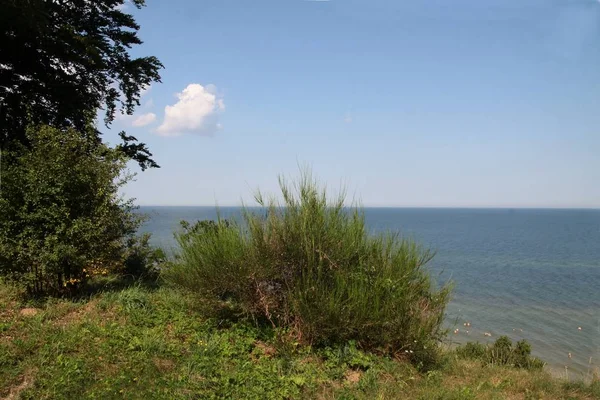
265,349
352,377
14,392
76,313
163,365
29,312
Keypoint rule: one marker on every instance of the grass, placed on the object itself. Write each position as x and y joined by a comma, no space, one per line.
308,264
134,341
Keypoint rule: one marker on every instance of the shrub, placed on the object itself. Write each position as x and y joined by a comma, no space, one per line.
61,217
142,260
473,350
502,352
309,264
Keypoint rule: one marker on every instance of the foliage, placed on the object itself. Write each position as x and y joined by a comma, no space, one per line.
61,217
310,265
190,231
141,260
502,352
138,343
64,60
473,350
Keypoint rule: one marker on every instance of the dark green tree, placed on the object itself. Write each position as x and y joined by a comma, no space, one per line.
63,60
61,214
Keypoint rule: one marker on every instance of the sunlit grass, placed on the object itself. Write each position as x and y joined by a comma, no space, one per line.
156,343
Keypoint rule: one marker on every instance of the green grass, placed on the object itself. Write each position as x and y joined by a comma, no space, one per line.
310,265
135,341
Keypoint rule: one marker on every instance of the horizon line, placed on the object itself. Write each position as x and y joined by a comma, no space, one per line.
405,207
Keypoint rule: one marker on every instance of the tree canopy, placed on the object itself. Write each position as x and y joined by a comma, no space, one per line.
61,61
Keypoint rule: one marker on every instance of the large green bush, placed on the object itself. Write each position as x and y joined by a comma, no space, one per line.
309,264
61,216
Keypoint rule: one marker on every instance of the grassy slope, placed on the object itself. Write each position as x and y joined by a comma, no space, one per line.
142,343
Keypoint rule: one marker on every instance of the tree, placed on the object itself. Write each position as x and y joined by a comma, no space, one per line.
61,216
63,60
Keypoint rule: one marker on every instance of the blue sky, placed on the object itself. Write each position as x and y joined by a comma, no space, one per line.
466,103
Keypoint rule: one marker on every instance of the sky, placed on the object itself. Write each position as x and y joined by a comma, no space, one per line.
438,103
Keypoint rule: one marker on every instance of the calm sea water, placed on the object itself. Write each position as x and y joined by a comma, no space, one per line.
532,274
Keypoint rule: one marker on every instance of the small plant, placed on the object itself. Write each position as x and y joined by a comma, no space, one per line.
502,352
310,265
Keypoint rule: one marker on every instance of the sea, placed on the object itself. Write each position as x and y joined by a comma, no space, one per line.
529,274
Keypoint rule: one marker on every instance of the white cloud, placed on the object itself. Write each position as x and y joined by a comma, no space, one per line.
196,112
144,119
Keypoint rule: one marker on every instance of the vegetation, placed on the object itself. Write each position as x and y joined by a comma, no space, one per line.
61,217
309,265
158,343
298,301
502,352
63,60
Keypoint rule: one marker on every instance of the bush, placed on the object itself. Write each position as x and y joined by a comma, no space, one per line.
309,264
61,217
141,260
502,352
473,350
